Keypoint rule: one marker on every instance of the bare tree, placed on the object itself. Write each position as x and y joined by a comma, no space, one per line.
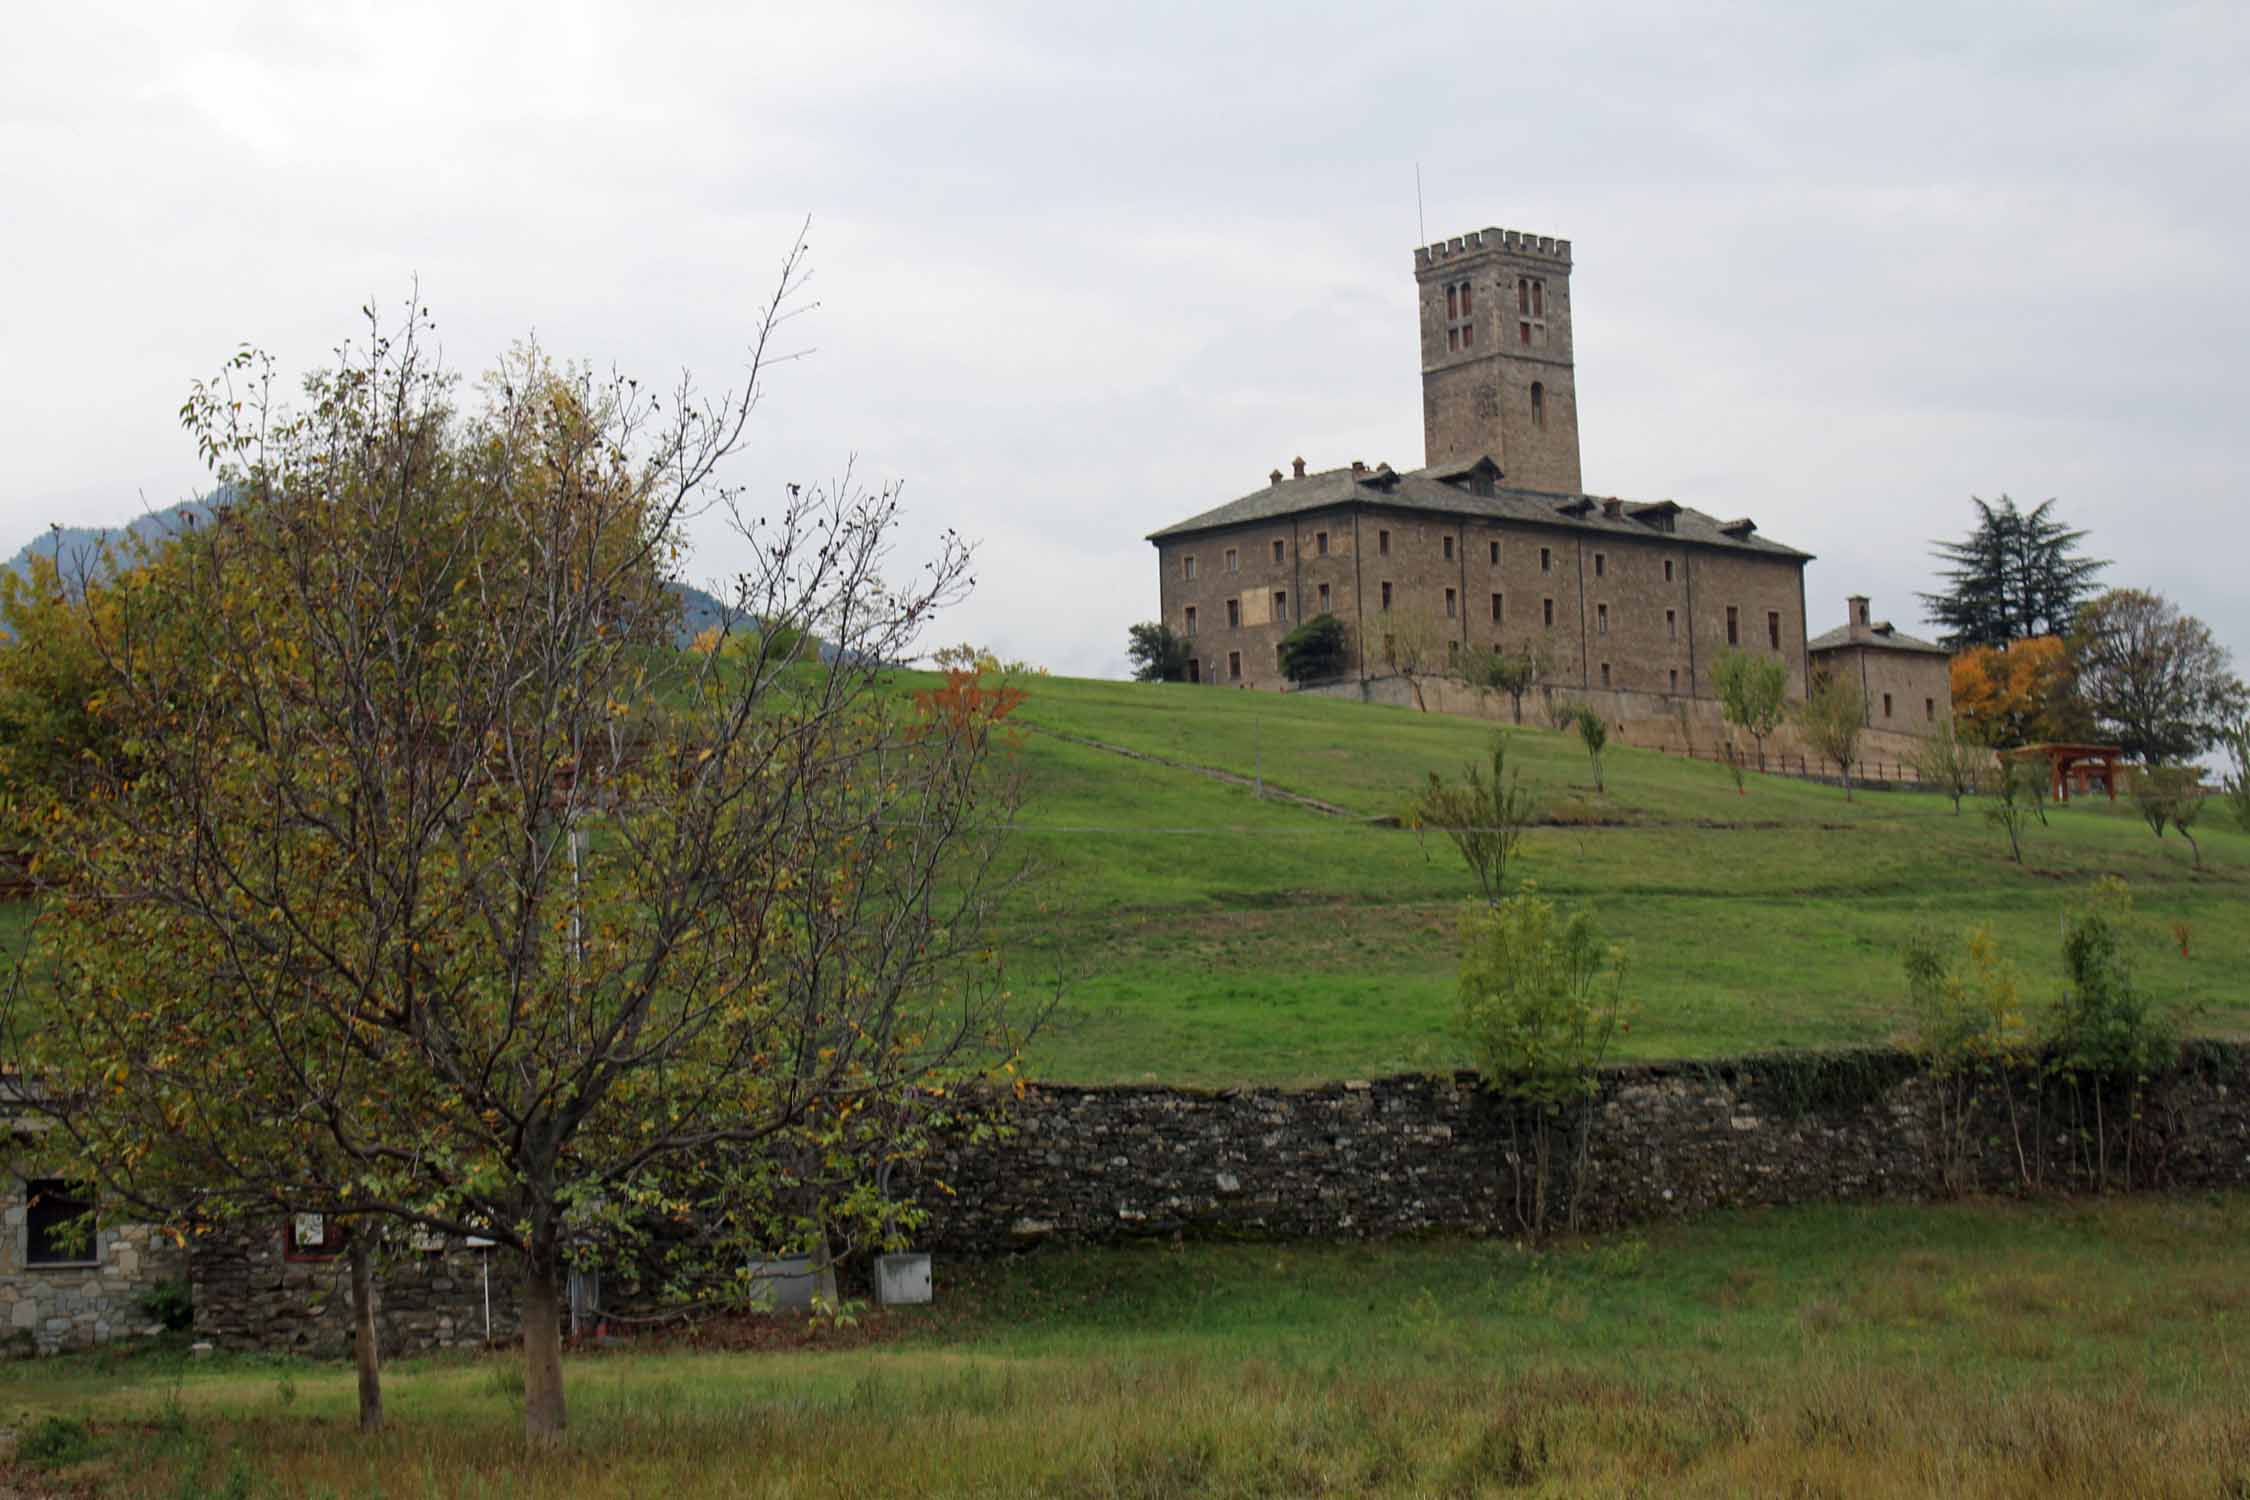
1950,764
1415,646
551,931
1832,718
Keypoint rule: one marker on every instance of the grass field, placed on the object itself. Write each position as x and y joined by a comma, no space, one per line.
1210,937
1979,1349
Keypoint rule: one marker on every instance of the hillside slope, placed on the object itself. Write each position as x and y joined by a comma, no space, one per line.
1208,936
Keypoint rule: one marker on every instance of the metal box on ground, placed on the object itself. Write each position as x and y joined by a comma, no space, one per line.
902,1279
783,1285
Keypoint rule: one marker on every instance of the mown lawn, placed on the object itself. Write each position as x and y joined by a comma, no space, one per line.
1210,937
1977,1349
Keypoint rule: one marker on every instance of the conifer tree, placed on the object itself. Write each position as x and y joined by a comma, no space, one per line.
2018,574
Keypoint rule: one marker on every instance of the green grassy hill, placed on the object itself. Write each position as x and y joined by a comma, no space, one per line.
1211,937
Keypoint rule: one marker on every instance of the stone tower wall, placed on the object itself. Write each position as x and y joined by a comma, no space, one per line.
1478,369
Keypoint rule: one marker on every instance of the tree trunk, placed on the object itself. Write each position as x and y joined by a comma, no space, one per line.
364,1350
544,1416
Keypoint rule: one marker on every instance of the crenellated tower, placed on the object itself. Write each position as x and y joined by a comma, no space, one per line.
1497,374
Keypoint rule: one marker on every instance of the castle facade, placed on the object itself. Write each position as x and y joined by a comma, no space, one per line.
1493,542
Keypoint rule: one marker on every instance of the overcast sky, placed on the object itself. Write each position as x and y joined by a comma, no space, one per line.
1082,272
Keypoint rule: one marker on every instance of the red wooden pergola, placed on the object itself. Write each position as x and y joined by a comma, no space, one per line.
2086,766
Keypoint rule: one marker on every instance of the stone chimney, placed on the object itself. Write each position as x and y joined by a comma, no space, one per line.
1856,614
1297,467
1274,477
1358,467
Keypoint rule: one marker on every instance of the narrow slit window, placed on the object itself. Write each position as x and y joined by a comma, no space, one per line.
1601,619
1547,608
1452,605
1495,553
1324,598
1386,593
1281,606
1734,626
1449,549
1671,624
1496,610
1605,674
1234,614
1601,566
1773,628
1667,570
1320,543
1382,544
1187,567
1234,666
1538,404
1280,550
1190,620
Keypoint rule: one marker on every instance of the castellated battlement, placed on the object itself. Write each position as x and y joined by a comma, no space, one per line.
1492,241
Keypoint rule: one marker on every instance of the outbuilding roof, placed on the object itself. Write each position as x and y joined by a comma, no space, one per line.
1880,636
1477,490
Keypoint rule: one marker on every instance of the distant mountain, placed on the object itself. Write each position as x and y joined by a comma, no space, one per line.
76,546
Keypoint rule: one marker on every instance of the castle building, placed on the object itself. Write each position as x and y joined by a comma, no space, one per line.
1493,542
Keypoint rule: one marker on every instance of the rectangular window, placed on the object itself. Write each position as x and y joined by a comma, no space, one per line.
1187,567
1601,565
1523,333
1320,543
1281,606
1280,550
1468,302
311,1237
1234,561
1496,610
57,1228
1190,621
1324,598
1929,709
1468,335
1234,614
1671,624
1452,605
1734,626
1667,570
1449,549
1495,553
1523,294
1382,544
1773,628
1548,609
1546,560
1605,674
1386,594
1453,301
1234,666
1886,705
1539,299
1453,340
1452,650
1675,679
1601,619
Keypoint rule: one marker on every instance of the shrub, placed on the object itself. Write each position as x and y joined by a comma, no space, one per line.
1969,1027
1753,691
2104,1037
1540,1000
1593,733
55,1442
2170,797
1950,764
1486,820
1832,717
170,1302
1156,653
1319,648
2016,789
1512,672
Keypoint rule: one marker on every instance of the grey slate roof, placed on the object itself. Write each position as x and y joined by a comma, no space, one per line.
1880,636
1427,490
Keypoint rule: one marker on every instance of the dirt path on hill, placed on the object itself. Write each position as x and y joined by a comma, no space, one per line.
1231,778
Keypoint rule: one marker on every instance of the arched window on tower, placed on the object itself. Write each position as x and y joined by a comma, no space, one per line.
1538,404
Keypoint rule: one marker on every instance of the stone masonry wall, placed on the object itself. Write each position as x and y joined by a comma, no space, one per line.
249,1295
49,1307
1413,1154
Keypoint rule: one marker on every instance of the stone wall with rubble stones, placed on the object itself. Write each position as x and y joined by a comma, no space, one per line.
1414,1154
49,1308
249,1295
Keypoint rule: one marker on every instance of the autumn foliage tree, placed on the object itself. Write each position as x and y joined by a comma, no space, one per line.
2019,694
530,926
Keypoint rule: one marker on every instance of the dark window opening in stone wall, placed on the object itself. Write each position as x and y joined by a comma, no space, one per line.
1495,552
1386,595
1190,631
1929,709
1452,605
1382,544
1496,610
1675,675
1671,624
1187,567
1234,614
1605,674
1523,333
1601,619
1234,561
1734,626
1667,570
58,1226
1538,404
1449,549
1546,560
1601,566
1320,543
1281,607
1280,550
1549,612
1773,628
1886,705
1324,598
1234,666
